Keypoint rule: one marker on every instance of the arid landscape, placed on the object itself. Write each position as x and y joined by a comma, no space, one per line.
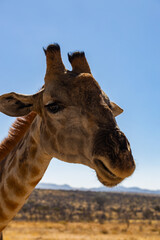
69,215
110,230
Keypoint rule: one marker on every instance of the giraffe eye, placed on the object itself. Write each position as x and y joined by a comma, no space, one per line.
54,107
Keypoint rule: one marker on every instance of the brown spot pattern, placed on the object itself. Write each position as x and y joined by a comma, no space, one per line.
3,216
15,186
34,171
10,204
23,169
33,151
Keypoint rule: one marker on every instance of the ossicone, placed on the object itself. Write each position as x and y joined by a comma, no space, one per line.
53,60
79,62
52,48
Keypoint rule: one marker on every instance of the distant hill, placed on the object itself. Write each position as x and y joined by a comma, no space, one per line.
53,186
98,189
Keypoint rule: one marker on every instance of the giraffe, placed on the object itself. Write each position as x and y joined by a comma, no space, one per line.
71,119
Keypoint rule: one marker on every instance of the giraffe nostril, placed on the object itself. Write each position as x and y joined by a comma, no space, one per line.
123,144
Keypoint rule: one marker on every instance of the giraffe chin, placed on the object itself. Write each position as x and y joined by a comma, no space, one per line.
105,176
108,182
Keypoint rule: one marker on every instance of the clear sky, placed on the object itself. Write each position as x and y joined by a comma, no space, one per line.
121,40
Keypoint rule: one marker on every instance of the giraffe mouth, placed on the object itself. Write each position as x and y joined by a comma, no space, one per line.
105,175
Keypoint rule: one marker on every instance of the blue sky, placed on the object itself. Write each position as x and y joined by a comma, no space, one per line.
121,40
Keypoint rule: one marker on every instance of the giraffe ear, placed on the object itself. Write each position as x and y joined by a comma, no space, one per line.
16,105
116,109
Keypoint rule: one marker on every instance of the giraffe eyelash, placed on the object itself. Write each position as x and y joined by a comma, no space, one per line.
54,107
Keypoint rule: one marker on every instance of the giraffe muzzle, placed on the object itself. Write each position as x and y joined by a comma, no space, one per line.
110,176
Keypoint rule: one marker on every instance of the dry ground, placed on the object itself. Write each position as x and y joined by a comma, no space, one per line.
137,230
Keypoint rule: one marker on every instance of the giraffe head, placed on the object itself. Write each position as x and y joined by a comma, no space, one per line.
76,119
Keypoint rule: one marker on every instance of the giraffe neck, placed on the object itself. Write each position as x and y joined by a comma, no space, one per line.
20,172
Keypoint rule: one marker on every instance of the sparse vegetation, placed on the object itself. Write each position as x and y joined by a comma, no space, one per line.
71,215
79,206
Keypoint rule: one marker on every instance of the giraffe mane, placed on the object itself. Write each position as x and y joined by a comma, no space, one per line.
15,133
